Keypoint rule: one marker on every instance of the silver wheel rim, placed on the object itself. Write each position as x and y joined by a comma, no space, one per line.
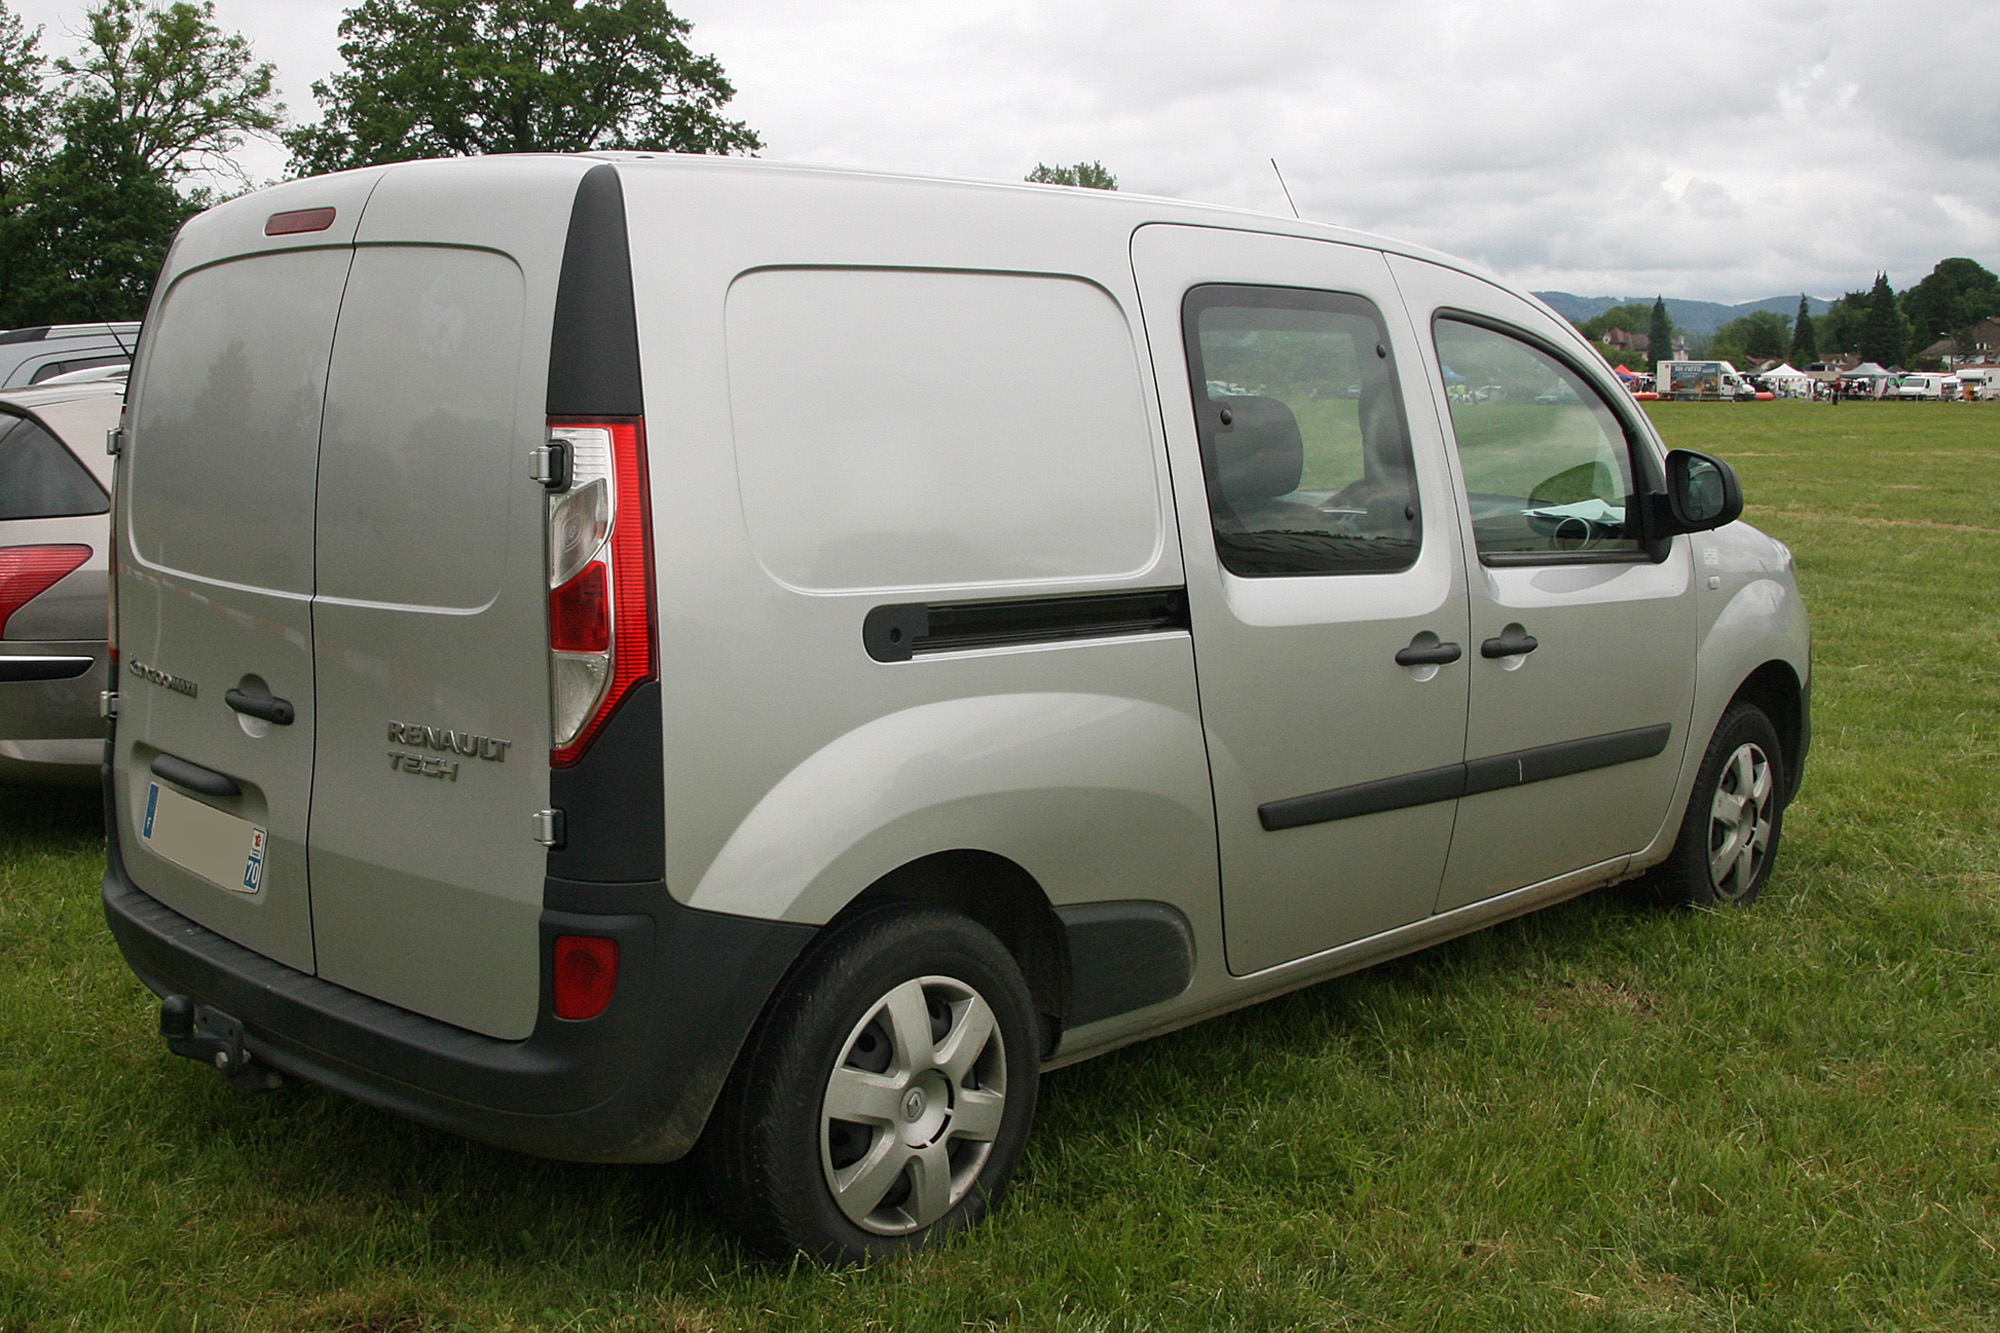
1739,821
913,1105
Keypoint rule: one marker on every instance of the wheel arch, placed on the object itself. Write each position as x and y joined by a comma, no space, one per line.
1775,689
998,894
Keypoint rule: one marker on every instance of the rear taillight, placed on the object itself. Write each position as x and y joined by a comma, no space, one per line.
586,975
26,572
601,626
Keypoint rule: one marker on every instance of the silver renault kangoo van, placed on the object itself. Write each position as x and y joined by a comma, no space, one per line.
623,655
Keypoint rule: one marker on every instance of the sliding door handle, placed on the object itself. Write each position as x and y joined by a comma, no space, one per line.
1513,643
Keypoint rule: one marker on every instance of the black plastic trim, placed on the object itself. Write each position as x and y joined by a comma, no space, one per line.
15,669
613,799
38,333
594,351
194,777
634,1084
1452,781
1366,798
1124,956
898,632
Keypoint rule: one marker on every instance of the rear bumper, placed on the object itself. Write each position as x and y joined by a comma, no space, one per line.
633,1085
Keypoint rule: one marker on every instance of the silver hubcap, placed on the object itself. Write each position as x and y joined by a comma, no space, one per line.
1739,822
913,1105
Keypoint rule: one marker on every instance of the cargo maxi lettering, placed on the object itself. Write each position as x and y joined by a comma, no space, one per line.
445,739
164,679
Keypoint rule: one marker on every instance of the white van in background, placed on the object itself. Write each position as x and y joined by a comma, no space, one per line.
1932,387
618,655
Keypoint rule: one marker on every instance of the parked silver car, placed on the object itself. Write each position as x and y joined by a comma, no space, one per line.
55,484
39,354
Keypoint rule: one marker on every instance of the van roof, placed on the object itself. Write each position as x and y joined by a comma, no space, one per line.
1156,208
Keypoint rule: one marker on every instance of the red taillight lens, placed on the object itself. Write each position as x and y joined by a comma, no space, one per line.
586,975
26,572
580,613
601,623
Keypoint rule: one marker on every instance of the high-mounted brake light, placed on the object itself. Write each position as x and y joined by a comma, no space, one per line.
601,624
298,221
26,572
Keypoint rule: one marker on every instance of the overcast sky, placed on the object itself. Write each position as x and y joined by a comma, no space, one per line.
1726,151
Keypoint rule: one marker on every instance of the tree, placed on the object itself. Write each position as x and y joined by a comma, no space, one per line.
1089,175
1631,318
87,214
1957,294
1805,348
453,78
1885,334
1757,336
1660,331
1839,329
93,230
24,103
176,92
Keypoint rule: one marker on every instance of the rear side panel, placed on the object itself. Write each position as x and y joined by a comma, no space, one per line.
433,728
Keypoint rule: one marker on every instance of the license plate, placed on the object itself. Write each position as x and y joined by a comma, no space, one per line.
216,845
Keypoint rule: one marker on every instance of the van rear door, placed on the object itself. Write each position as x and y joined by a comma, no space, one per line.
215,556
431,618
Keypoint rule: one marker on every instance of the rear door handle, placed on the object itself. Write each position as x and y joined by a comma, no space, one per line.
1436,654
1510,645
279,711
194,777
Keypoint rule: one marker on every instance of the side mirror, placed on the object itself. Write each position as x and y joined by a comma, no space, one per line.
1702,493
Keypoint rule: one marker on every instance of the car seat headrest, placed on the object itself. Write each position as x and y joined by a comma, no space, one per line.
1259,455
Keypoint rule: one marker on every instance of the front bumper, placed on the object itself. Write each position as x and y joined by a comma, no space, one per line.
633,1085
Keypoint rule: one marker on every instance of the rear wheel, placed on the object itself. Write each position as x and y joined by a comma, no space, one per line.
886,1095
1729,836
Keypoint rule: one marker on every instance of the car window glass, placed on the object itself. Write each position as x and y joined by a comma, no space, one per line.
55,368
1548,468
39,478
1304,446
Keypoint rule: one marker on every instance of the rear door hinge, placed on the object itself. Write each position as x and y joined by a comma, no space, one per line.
114,441
550,828
107,704
550,464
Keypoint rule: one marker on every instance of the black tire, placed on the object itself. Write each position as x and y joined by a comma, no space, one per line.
939,1129
1729,835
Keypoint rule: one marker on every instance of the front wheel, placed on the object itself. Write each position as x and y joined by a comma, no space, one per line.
1729,836
886,1096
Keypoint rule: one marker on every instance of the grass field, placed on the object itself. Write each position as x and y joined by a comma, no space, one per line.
1601,1117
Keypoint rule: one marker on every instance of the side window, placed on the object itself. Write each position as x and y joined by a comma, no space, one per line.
39,478
1304,445
1548,467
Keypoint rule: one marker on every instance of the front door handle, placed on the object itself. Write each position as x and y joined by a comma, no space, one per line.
1435,654
279,711
1513,644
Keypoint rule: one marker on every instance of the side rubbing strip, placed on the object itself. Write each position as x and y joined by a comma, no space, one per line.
1468,779
907,629
1124,956
594,353
1367,798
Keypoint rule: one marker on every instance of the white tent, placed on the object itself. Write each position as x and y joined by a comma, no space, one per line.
1785,372
1867,370
1788,382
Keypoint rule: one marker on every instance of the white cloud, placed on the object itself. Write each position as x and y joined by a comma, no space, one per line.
1740,151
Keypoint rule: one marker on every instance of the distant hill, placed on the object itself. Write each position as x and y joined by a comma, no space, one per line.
1697,317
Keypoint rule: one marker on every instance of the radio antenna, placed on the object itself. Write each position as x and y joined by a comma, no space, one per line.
1286,188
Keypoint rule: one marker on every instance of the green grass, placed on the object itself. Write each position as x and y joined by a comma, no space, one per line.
1600,1117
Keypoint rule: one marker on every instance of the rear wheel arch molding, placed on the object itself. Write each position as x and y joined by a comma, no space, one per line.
997,893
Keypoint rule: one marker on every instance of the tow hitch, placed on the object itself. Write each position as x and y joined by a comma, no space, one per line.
213,1038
